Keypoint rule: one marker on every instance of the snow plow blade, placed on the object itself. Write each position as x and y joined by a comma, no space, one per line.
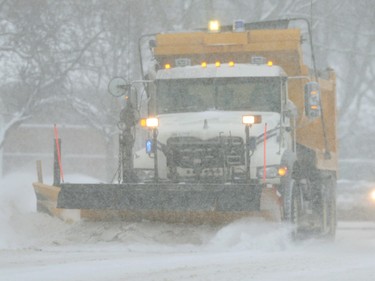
167,202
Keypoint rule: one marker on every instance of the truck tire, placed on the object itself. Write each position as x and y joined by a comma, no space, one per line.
324,206
329,198
293,207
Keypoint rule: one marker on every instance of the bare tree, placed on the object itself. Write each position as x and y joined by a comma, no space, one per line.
37,50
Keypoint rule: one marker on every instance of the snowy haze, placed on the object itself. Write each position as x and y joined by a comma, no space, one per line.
57,58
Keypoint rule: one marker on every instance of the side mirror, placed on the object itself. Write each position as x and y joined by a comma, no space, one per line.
118,87
312,100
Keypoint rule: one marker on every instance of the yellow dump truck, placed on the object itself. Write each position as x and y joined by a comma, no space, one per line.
237,126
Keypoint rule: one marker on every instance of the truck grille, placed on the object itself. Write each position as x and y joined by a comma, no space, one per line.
190,152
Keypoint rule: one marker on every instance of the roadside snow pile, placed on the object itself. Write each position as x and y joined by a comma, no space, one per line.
254,234
16,199
20,225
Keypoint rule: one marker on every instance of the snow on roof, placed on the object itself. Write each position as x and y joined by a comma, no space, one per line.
211,71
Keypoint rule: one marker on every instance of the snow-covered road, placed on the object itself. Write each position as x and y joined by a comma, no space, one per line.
37,247
245,250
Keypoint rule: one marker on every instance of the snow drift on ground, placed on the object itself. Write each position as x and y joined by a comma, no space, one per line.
22,227
16,199
35,246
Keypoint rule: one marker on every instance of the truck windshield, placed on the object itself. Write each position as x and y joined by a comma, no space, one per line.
229,94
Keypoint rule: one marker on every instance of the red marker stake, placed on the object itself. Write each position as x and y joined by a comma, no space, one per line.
58,152
265,153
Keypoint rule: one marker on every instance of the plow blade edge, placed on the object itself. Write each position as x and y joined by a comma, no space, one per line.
166,202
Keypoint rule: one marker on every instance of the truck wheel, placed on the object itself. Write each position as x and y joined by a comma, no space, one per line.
329,220
324,206
293,207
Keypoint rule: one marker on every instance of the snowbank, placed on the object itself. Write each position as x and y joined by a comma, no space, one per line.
20,225
16,199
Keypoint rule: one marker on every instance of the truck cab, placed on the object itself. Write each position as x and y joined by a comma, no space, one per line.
201,133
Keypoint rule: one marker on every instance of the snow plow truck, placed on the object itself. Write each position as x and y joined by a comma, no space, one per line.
237,125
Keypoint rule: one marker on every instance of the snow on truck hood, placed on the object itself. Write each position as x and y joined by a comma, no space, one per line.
223,123
211,71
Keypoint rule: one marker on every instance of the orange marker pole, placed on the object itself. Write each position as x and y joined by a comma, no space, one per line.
265,153
58,152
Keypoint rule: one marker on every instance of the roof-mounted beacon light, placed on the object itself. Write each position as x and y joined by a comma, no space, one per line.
238,25
214,26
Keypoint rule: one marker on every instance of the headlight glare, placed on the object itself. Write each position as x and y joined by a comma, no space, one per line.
372,195
152,122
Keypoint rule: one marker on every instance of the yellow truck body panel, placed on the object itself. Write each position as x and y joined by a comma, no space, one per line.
283,48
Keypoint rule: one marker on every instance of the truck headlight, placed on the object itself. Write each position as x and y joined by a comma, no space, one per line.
372,195
274,171
249,120
152,122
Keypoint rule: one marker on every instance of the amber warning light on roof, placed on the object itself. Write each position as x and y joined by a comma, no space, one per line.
204,64
214,26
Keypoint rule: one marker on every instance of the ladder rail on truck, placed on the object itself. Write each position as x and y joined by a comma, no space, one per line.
213,160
